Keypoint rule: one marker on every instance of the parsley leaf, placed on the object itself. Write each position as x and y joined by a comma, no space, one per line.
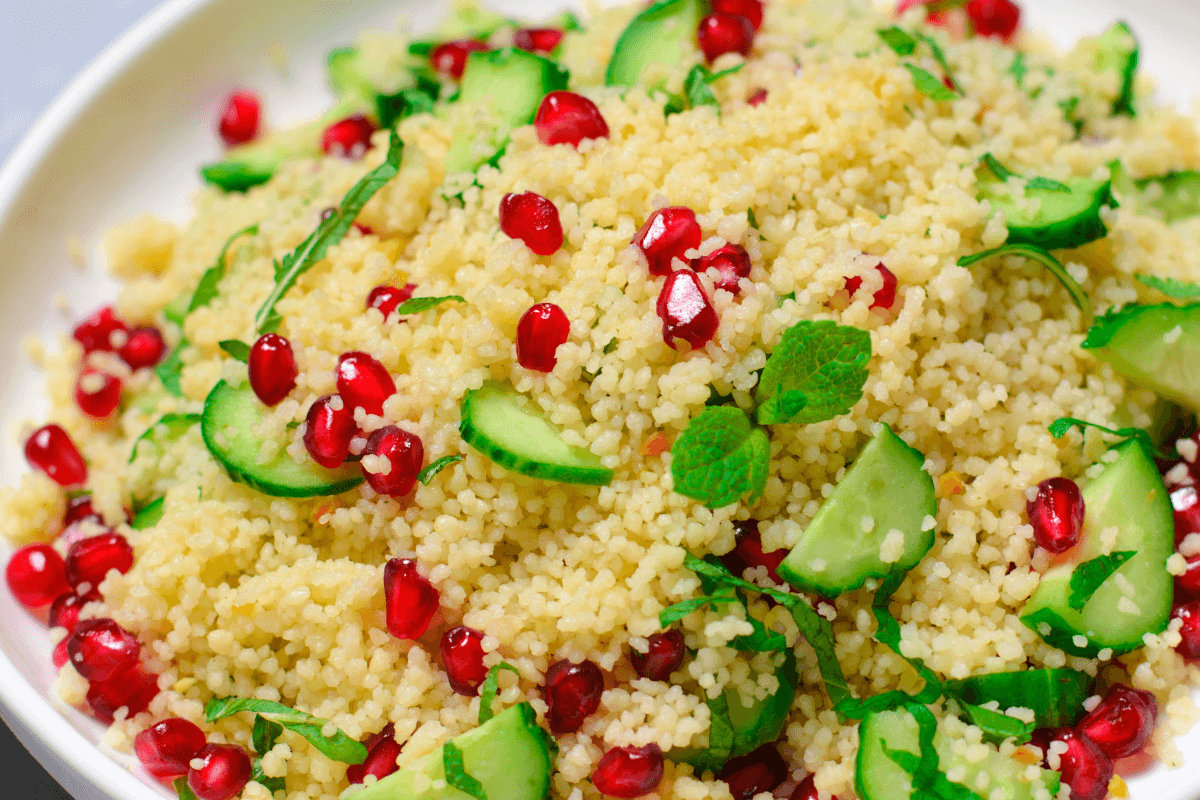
240,351
339,747
175,425
171,368
456,773
720,457
817,372
1043,257
418,304
1062,425
487,693
1180,290
900,41
426,475
1089,576
928,85
206,289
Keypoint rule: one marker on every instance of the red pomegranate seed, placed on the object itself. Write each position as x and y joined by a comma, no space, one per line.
144,347
225,772
410,600
731,261
132,689
758,98
1189,613
51,450
272,368
348,138
239,120
539,333
1056,514
998,18
36,575
100,648
1123,722
450,58
750,9
80,508
1084,767
725,33
885,297
568,118
629,771
905,5
748,552
90,559
572,692
667,235
537,40
363,382
97,394
685,310
760,770
462,653
1186,504
534,220
405,454
328,429
382,751
64,613
101,331
664,656
388,298
166,747
59,657
805,790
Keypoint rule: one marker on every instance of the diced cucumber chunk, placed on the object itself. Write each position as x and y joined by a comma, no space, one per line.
657,40
392,90
1058,220
886,489
1054,695
1175,195
228,425
1118,52
511,430
1156,346
509,755
149,516
1129,496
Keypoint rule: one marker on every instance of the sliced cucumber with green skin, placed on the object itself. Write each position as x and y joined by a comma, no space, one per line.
1054,695
149,516
1118,51
1156,346
888,484
1177,196
762,722
517,436
509,755
1129,496
227,425
501,90
659,39
1063,219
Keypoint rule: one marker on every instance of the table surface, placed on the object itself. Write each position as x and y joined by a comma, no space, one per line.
43,45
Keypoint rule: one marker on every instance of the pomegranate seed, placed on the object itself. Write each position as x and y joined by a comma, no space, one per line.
537,40
348,138
1122,723
100,648
450,58
36,575
760,770
748,552
1189,613
405,454
64,613
905,5
1186,505
998,18
144,347
758,98
1084,766
225,772
239,120
132,689
51,450
382,751
664,656
80,508
59,656
805,790
750,9
568,118
685,310
363,382
101,331
731,261
97,394
166,747
885,297
725,33
629,771
572,693
539,333
667,235
388,298
462,653
1056,514
90,559
534,220
410,599
328,429
952,20
272,368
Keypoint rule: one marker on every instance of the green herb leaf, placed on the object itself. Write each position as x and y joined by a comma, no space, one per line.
753,221
426,475
240,351
762,640
339,747
993,164
487,693
900,41
183,790
456,774
996,725
175,425
817,372
1089,576
1018,69
928,85
206,290
1054,695
329,232
672,614
720,457
1048,261
265,734
418,304
421,48
1047,185
939,55
1180,290
695,88
418,99
1062,425
273,785
170,370
720,737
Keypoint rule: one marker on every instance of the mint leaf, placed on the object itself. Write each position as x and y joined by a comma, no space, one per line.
695,88
1043,257
183,790
996,725
676,612
487,693
240,351
939,55
994,166
328,233
265,734
817,372
426,475
720,737
170,370
720,457
1091,575
1062,425
418,304
339,747
272,785
1180,290
1047,185
206,289
900,41
928,85
456,774
175,425
762,640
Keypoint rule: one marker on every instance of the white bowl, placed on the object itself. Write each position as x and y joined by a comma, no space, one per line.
127,136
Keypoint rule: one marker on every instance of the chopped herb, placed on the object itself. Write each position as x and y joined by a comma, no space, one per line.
426,475
1180,290
1018,69
339,747
170,370
421,48
456,774
610,347
272,785
900,41
175,424
183,790
487,693
695,89
1043,257
939,55
927,780
720,457
750,218
1004,173
239,351
928,85
206,290
993,164
762,640
1089,576
418,304
817,372
996,725
720,737
419,99
674,613
265,733
1059,428
786,297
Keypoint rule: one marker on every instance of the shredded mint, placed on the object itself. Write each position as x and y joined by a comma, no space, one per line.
265,733
272,785
418,99
996,725
901,42
761,640
1180,290
927,780
720,457
171,369
929,85
206,290
817,372
1062,425
672,614
696,91
175,425
418,304
939,55
339,747
239,351
753,221
1018,69
421,48
487,693
1089,576
456,773
426,475
720,737
1043,257
1003,173
993,164
183,790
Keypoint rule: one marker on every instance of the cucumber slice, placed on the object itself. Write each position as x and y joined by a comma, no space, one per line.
887,483
1175,195
1062,219
1129,496
149,516
1117,51
510,430
762,722
227,425
1054,695
501,90
1156,346
509,755
658,39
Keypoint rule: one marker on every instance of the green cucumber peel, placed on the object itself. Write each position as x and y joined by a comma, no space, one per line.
338,747
1043,257
1054,695
491,685
996,725
427,474
1089,576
